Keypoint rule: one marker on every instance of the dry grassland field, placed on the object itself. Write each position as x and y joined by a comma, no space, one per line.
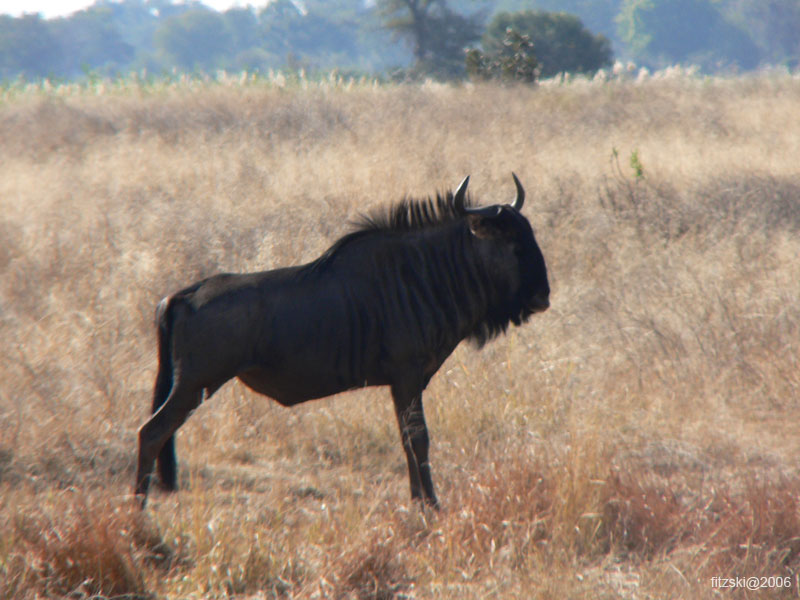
638,440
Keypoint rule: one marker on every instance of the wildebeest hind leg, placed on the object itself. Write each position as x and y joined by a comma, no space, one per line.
414,433
156,436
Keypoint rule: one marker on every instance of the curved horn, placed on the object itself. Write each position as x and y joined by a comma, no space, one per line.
518,201
458,203
458,197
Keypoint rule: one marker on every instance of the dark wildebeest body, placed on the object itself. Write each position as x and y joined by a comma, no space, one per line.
385,305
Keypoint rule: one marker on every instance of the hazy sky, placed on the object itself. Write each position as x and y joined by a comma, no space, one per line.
60,8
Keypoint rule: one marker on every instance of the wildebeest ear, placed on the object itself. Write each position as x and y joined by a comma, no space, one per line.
482,227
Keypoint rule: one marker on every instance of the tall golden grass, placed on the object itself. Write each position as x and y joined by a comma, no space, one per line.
634,441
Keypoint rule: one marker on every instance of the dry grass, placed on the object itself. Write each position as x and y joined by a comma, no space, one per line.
634,441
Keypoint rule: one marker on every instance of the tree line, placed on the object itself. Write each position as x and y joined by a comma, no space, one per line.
445,39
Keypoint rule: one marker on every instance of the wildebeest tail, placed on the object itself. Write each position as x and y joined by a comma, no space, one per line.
167,462
163,334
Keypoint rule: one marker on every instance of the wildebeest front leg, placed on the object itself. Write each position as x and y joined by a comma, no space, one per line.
160,428
414,433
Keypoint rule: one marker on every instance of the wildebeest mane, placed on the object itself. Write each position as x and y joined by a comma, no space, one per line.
411,214
406,215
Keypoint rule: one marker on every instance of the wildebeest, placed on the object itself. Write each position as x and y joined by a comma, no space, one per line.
385,305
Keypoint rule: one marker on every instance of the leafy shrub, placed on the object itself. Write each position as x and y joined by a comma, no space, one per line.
515,60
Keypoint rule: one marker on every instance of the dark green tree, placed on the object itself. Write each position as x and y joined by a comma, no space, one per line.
437,35
561,42
597,15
